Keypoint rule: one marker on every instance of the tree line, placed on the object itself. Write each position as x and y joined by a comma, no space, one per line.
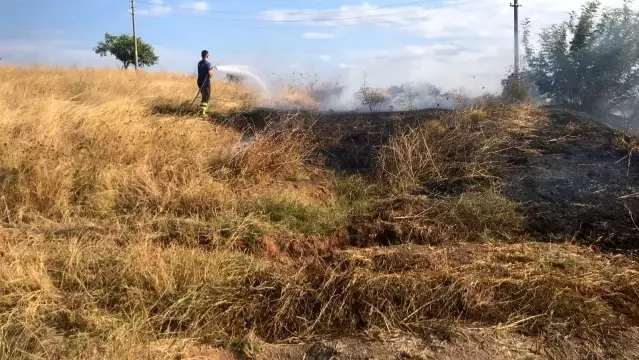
589,62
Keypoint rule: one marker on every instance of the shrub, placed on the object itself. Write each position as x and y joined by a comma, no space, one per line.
372,98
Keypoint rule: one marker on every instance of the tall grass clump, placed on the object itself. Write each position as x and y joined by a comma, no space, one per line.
459,151
282,154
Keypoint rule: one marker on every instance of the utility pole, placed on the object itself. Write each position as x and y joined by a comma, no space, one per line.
516,6
135,39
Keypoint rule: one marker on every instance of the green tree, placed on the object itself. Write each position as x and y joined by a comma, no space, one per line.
122,47
590,61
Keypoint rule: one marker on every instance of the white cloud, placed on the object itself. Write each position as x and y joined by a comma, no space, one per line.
161,8
346,66
158,8
325,57
200,6
468,44
317,35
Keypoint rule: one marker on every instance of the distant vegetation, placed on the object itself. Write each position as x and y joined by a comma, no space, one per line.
590,61
122,47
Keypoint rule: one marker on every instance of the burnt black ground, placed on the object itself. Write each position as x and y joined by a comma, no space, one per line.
575,186
578,185
348,140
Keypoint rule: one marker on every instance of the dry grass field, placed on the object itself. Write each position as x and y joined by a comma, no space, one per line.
130,228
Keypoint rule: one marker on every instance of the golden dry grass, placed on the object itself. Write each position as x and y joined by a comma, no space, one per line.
470,217
116,158
462,148
626,142
132,229
82,143
297,97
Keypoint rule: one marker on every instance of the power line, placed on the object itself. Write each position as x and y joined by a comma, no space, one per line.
310,23
336,19
401,5
364,17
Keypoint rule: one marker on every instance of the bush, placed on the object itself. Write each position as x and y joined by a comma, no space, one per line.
372,98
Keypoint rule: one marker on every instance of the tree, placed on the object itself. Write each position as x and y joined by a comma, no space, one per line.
371,97
123,48
590,61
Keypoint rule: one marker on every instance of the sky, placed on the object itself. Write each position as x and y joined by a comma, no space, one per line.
451,43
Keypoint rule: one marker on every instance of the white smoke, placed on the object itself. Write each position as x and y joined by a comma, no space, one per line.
243,71
340,93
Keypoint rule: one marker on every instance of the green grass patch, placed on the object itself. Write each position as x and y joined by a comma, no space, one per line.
298,217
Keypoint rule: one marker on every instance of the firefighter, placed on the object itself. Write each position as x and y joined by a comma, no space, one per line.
204,73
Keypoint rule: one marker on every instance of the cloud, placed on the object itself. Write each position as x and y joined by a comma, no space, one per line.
48,32
346,66
51,52
325,57
200,6
317,35
158,8
465,43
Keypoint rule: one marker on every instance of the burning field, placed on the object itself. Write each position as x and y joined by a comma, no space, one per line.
132,229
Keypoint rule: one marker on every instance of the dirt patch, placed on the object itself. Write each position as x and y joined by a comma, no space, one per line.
464,344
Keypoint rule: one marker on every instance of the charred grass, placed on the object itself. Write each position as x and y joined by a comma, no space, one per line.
133,229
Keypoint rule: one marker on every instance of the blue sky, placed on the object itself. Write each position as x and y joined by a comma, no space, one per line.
452,43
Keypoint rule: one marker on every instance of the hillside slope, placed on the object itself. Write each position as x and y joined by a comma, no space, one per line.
132,229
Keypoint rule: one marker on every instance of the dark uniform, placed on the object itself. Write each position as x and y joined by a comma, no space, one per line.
204,84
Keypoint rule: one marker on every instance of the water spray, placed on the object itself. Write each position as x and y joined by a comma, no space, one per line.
242,72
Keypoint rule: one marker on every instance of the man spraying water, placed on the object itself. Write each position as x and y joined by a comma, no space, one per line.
204,73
